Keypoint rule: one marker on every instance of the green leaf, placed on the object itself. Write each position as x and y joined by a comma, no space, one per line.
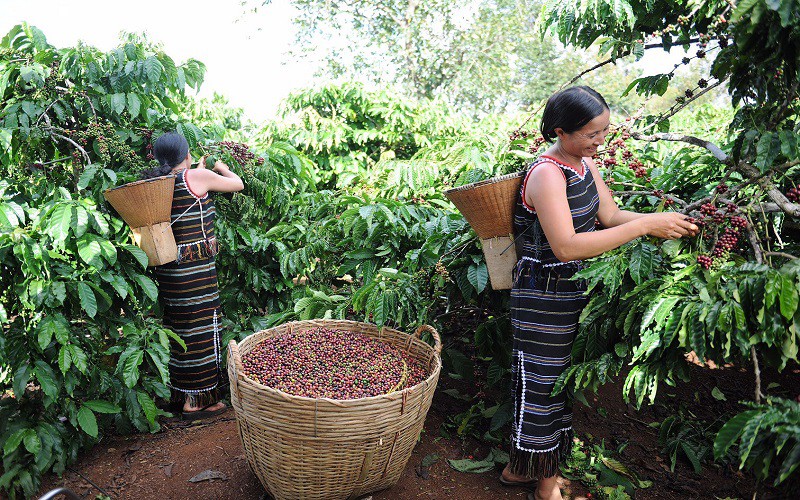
138,254
130,370
87,421
149,287
52,326
32,442
692,456
47,378
81,221
148,405
117,102
20,380
134,104
472,466
79,358
642,262
717,394
64,359
430,460
88,300
59,223
100,406
88,175
90,251
152,68
789,297
478,276
730,432
13,442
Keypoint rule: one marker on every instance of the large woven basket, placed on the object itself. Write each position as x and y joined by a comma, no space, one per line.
306,448
143,203
146,206
488,205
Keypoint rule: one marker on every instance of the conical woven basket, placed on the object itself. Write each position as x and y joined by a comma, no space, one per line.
307,448
143,203
488,205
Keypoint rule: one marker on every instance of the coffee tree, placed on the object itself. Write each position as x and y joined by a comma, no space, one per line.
80,350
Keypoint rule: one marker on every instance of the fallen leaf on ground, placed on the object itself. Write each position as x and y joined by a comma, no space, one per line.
208,475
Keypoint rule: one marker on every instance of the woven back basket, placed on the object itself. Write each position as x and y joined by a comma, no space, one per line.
146,206
307,448
488,206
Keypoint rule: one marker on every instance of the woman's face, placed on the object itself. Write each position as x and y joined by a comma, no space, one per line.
585,141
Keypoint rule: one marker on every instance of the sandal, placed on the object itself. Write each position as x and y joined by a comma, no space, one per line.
203,412
511,482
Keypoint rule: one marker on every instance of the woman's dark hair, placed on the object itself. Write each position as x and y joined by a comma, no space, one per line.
170,149
571,109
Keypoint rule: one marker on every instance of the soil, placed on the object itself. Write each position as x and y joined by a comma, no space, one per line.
160,466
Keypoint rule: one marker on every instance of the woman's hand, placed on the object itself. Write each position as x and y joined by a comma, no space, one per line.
220,168
669,225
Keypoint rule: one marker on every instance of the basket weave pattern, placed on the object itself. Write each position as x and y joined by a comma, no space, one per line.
331,449
488,205
143,203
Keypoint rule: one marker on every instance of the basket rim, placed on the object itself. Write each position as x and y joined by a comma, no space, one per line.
493,180
343,402
140,181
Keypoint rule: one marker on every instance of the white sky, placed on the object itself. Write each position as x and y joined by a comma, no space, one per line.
243,63
245,53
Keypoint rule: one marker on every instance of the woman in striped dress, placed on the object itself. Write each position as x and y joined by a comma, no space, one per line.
188,287
556,211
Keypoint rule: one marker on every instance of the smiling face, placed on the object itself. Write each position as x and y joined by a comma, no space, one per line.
585,141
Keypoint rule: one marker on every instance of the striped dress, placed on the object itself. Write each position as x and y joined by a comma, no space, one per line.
190,297
545,307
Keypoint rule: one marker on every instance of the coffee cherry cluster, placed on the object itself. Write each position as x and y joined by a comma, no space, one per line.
240,152
518,134
441,270
325,363
705,261
101,136
537,143
638,168
738,222
722,188
726,242
793,194
710,210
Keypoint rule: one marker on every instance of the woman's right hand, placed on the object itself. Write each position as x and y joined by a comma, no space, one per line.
669,225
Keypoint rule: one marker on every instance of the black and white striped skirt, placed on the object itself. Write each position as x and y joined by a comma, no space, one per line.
545,307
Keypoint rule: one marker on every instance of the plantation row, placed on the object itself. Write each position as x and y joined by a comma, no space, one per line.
343,216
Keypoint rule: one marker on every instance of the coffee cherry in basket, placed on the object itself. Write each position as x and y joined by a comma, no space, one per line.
324,363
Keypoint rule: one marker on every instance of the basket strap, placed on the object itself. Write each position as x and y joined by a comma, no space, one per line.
184,213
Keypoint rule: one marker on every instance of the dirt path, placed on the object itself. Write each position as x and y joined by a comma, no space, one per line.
160,466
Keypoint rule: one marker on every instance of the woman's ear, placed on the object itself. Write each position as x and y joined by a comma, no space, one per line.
560,132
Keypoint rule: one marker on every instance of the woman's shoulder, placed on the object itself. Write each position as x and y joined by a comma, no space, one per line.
544,168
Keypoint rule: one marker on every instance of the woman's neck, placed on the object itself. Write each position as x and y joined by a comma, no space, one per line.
557,152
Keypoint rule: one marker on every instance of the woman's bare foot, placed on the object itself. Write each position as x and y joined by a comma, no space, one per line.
219,405
548,489
514,478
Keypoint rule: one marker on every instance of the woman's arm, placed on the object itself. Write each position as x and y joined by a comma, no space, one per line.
221,179
546,191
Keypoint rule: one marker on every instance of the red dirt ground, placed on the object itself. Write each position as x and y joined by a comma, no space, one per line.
159,466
